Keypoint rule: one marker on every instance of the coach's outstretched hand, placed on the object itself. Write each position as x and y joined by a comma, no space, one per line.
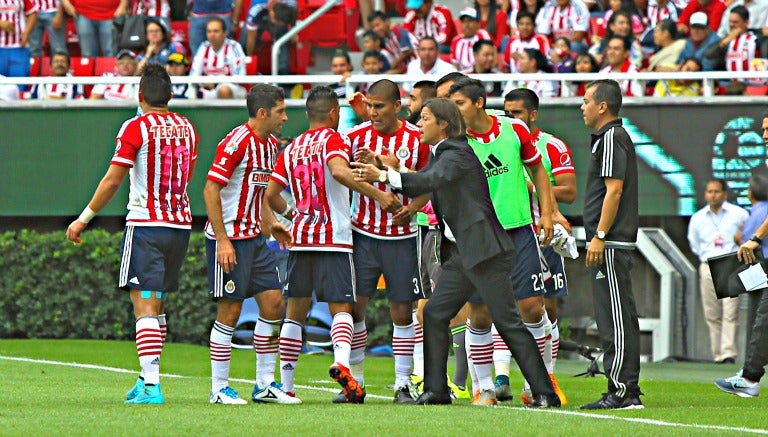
74,230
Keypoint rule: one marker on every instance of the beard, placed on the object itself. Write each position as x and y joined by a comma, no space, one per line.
414,118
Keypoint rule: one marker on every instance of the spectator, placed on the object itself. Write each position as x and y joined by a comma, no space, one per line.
680,87
219,56
60,64
569,18
758,16
665,37
619,25
16,23
462,57
276,20
426,18
159,10
126,67
398,41
585,63
203,11
49,19
562,58
178,65
533,61
516,6
735,88
485,63
428,63
372,42
341,65
629,7
526,38
93,21
159,45
714,9
617,60
372,64
739,48
658,10
702,38
492,19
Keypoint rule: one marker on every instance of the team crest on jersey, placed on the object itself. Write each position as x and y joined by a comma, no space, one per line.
230,148
230,286
403,152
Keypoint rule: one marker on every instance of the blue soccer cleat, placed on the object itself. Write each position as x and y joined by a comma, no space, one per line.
151,395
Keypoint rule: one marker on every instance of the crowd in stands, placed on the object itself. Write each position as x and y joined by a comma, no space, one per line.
234,37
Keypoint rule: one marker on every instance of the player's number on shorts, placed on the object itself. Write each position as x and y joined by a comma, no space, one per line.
538,281
559,280
311,180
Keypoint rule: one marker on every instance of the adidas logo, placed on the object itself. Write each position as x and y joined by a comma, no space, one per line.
288,366
155,361
494,167
599,275
134,280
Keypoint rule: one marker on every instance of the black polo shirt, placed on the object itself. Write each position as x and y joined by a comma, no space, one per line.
612,156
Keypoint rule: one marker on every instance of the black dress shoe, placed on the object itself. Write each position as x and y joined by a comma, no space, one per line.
729,360
432,398
544,401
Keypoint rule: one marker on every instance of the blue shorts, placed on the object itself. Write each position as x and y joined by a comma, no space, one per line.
255,271
152,257
397,260
328,274
557,285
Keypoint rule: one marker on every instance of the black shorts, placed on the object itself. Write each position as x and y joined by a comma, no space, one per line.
557,285
429,269
329,274
152,257
255,271
397,260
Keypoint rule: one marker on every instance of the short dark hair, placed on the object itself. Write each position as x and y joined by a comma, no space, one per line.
342,54
445,110
741,11
693,59
722,182
385,88
427,88
265,96
155,85
758,186
428,38
528,97
542,63
669,26
624,41
471,88
592,61
61,53
320,101
373,54
478,45
450,77
608,91
525,14
218,20
371,34
377,14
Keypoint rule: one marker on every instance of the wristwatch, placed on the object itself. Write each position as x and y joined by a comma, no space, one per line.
756,239
383,177
600,235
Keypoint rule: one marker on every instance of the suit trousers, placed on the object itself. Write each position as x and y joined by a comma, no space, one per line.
454,287
757,348
722,316
617,324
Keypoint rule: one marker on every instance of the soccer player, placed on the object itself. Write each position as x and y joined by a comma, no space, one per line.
315,166
504,147
387,243
240,264
523,105
159,150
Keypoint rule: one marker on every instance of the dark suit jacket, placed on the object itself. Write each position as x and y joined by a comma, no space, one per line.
460,197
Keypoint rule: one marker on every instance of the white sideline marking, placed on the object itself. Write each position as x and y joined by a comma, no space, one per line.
334,390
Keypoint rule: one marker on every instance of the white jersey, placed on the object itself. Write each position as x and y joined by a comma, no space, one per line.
555,21
119,91
229,60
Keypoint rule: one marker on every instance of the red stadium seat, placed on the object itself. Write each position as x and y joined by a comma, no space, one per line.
105,64
45,66
180,33
596,29
757,90
82,66
34,66
328,31
352,24
251,65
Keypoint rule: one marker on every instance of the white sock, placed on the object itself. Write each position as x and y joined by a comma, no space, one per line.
290,348
539,331
221,355
470,364
402,345
149,345
501,354
418,348
341,336
357,354
552,348
480,342
266,337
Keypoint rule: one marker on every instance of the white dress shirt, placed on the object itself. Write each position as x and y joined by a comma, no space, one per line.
711,234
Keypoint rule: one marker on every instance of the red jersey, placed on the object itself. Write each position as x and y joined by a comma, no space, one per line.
47,5
461,49
400,40
560,161
98,10
368,217
243,165
15,11
152,8
322,202
741,51
438,24
161,150
501,27
518,45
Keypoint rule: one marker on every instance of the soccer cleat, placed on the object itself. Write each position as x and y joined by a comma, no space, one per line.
487,398
352,390
558,390
610,401
135,390
501,385
738,386
340,398
226,396
457,391
476,396
415,385
526,396
150,395
403,396
273,394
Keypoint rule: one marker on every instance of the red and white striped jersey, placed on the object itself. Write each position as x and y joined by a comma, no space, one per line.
656,13
322,202
518,45
400,40
15,11
117,91
47,5
368,217
560,162
438,24
629,88
555,21
461,49
161,150
152,8
741,51
243,164
228,61
67,91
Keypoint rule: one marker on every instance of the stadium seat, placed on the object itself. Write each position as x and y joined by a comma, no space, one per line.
251,65
34,66
82,66
180,34
757,90
105,64
45,66
596,29
352,23
328,31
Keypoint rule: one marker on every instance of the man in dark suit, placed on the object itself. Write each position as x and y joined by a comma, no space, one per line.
476,251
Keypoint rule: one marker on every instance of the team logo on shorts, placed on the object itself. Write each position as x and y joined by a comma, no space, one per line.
229,287
403,152
230,148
